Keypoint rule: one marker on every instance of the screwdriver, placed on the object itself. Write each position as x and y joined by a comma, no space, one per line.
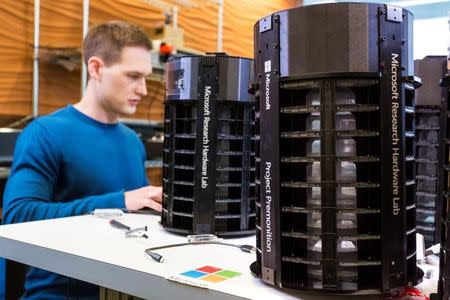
119,225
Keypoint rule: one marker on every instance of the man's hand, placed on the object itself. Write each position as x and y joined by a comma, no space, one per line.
148,196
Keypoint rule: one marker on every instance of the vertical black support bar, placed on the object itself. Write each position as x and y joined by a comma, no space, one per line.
15,279
269,146
444,267
205,147
441,162
172,141
393,258
246,166
328,184
442,157
255,88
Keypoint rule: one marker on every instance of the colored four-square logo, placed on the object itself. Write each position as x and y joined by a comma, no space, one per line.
211,274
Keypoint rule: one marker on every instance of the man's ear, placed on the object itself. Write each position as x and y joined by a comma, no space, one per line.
94,67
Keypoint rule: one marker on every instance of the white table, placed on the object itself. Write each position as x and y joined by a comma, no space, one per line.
89,249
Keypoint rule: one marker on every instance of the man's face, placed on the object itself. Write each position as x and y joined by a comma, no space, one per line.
122,85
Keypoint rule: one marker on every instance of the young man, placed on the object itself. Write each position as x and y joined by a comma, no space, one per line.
81,157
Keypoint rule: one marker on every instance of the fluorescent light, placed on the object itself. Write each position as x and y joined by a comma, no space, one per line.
8,130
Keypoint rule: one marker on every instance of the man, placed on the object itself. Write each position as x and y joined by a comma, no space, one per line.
81,157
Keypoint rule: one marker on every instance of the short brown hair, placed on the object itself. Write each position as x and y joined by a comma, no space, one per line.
107,41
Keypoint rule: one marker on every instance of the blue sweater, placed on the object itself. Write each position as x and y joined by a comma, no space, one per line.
68,164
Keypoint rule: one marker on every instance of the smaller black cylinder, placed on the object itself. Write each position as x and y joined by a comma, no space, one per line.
209,161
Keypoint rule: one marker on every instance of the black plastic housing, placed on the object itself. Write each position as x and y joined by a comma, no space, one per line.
8,138
209,156
431,121
444,264
335,147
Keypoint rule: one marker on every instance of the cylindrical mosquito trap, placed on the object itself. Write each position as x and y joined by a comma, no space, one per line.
444,263
209,156
431,121
335,148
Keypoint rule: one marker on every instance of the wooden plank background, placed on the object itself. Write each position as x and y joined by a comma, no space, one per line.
61,27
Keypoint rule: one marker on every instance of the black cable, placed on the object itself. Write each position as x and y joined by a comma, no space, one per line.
159,258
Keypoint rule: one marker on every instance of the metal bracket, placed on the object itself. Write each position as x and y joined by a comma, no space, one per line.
394,14
265,24
268,275
445,82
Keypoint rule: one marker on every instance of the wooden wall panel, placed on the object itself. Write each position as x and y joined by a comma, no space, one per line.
200,26
239,21
200,23
61,27
58,88
16,63
155,175
16,31
138,12
61,23
63,88
15,85
150,107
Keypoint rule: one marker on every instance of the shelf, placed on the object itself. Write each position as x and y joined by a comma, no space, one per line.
68,58
153,164
182,51
142,122
4,172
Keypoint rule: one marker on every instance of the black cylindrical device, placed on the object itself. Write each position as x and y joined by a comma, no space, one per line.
209,156
335,148
431,122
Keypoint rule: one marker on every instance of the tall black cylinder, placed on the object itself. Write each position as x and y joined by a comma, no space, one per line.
209,156
444,264
431,121
335,147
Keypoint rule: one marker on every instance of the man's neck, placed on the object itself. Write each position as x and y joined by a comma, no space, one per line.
90,106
